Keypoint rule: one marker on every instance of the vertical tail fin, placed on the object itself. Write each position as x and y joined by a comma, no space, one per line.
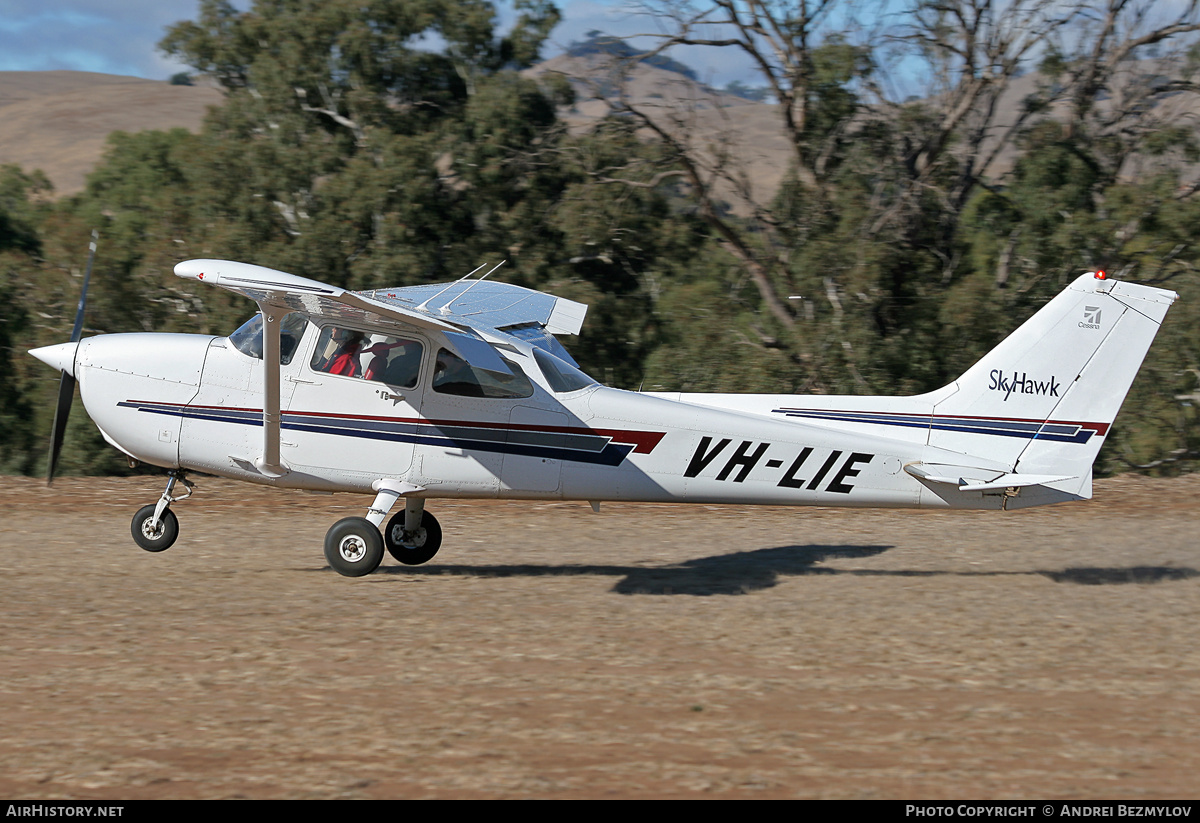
1047,395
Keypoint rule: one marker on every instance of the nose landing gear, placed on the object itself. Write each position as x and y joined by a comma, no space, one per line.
155,527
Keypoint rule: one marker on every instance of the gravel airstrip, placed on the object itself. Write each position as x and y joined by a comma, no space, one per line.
645,651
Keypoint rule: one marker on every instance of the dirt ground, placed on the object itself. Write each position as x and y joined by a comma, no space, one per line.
645,651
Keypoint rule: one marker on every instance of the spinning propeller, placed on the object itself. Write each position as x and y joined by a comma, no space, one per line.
66,386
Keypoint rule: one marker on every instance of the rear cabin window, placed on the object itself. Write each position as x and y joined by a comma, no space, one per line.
395,361
453,375
248,339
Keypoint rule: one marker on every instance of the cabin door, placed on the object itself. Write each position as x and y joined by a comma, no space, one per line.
355,406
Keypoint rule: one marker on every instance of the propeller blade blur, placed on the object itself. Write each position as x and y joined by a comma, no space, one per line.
62,412
77,329
66,386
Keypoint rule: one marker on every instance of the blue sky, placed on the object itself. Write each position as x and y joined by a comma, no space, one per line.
120,36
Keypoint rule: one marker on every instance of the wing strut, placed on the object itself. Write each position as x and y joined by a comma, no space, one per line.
269,463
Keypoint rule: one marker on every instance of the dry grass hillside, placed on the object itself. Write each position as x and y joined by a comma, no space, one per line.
58,121
749,132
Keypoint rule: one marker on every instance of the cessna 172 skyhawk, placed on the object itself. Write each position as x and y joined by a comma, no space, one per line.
463,391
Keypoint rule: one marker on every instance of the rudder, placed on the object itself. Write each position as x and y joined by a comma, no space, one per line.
1046,397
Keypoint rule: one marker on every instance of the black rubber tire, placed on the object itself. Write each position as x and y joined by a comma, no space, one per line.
353,547
154,541
422,549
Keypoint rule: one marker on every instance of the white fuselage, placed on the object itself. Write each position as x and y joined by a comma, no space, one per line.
195,402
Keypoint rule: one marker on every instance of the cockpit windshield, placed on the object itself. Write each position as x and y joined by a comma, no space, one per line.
562,376
248,339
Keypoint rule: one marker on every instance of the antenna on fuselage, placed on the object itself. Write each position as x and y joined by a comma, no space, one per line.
425,306
446,308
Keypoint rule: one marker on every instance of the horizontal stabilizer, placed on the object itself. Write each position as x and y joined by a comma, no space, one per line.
1008,481
974,479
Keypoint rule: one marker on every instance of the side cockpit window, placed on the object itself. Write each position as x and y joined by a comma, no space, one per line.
453,375
248,339
395,361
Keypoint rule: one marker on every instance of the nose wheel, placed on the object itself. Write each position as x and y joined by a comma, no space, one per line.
154,534
155,527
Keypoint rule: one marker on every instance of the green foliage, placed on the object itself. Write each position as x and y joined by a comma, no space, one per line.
19,213
16,408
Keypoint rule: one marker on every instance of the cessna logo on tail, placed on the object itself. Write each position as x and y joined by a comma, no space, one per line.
1091,317
1023,384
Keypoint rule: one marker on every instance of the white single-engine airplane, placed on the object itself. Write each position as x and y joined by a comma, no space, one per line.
461,390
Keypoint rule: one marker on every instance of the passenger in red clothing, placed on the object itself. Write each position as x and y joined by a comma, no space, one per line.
345,360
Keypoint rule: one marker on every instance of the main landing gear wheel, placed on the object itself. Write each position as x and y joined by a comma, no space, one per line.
354,547
152,537
418,547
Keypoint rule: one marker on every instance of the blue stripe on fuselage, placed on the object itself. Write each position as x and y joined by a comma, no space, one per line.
580,448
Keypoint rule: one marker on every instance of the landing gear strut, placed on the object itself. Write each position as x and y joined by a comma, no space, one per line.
155,527
354,546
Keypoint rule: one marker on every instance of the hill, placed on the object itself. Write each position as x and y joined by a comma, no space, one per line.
748,131
58,121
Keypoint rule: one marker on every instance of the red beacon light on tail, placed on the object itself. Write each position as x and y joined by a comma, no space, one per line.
1099,275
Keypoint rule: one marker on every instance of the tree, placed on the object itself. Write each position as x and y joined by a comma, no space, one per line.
868,224
346,153
20,217
333,146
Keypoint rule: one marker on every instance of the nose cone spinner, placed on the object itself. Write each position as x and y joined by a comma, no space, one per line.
61,356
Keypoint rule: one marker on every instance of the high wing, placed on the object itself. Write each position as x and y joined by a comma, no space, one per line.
465,313
464,310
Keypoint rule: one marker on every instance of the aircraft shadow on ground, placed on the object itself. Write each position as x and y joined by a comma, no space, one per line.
736,573
750,571
1132,574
